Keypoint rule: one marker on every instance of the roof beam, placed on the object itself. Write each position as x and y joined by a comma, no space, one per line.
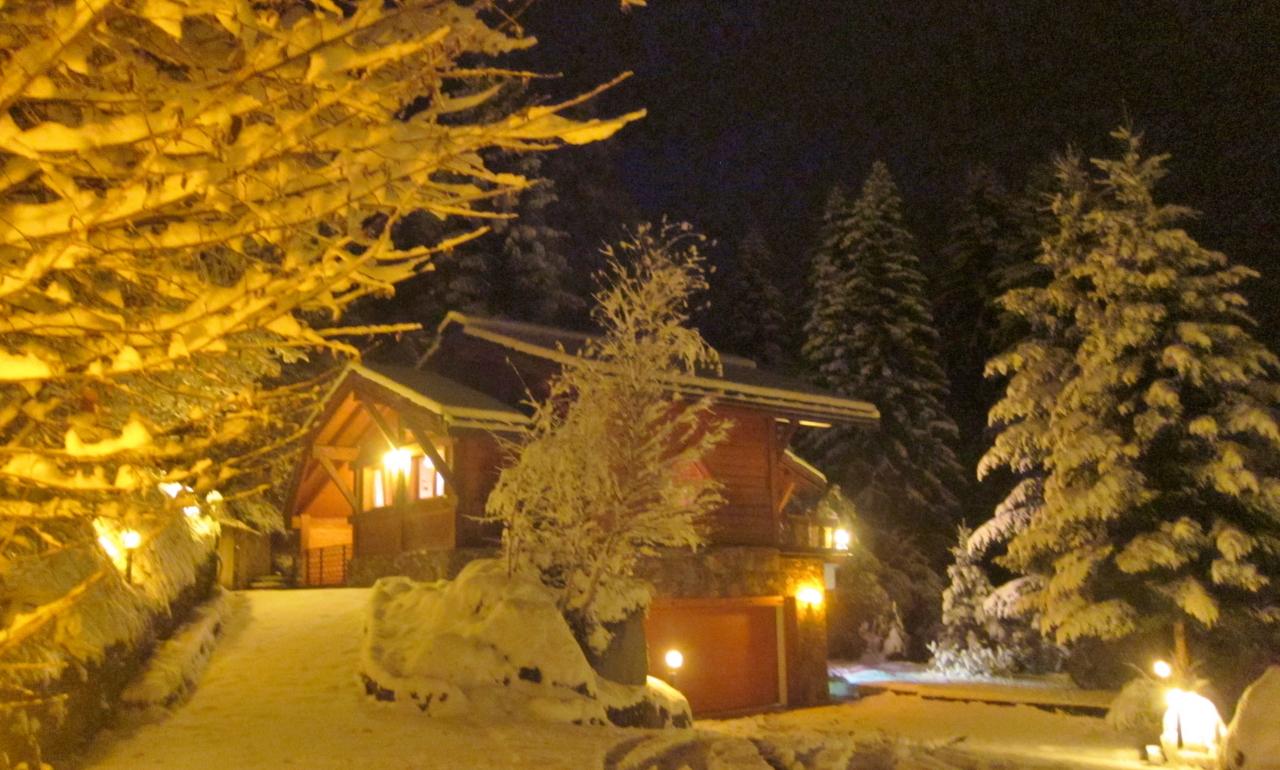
429,447
338,482
342,454
381,422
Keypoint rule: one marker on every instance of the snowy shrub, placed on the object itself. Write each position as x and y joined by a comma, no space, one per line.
1138,709
608,472
971,661
494,646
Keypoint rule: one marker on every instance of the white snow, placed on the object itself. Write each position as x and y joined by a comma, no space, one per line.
281,691
1253,740
177,663
491,646
960,731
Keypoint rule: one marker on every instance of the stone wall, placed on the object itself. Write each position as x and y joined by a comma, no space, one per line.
419,565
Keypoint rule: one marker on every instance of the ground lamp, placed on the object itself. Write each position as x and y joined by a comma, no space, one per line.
1191,729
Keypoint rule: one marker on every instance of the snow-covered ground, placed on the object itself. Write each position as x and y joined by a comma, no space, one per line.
281,691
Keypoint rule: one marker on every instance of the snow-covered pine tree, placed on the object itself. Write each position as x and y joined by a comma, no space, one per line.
964,621
870,335
193,192
1037,364
606,473
745,315
1161,495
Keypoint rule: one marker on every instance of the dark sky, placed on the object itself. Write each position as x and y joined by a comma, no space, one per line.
757,107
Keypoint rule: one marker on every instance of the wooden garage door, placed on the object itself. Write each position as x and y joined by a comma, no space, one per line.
730,649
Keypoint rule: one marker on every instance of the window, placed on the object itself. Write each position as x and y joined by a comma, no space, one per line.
430,481
374,491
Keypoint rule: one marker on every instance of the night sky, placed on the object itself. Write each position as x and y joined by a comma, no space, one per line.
757,108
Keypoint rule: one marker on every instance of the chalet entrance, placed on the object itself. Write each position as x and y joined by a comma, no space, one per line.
730,649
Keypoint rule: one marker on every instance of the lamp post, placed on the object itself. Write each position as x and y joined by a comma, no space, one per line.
130,539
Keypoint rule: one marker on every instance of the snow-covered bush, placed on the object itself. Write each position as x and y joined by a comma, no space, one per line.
608,472
1138,709
492,645
1253,738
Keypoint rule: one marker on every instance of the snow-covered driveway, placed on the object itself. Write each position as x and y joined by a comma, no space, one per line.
281,692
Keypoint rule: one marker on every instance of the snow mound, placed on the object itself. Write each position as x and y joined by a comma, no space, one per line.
1253,740
177,663
491,646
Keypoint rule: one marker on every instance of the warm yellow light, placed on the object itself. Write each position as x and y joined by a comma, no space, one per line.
1162,669
842,539
109,547
191,511
1192,727
213,497
170,488
398,461
809,596
130,539
674,659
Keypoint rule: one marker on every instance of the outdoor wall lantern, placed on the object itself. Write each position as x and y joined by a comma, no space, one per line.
398,461
810,597
842,539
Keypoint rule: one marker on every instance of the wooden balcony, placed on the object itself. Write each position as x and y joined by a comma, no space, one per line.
411,526
735,526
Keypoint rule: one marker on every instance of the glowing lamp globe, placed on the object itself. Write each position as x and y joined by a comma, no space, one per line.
809,596
398,461
842,538
130,539
674,659
1162,669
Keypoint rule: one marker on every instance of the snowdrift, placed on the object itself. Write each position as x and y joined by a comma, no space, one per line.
492,647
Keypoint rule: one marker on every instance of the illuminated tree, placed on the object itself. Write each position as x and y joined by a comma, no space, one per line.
1158,442
606,475
193,191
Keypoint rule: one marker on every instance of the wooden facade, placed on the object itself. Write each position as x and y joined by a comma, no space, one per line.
445,416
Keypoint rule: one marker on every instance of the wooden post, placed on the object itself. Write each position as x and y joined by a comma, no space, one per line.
1181,657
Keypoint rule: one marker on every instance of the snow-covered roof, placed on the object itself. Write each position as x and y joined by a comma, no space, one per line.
804,465
739,381
459,405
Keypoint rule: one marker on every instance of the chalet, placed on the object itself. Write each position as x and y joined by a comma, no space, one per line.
402,460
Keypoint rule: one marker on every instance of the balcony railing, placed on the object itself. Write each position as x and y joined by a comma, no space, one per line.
790,533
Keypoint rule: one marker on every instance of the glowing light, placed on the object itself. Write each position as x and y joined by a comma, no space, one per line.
810,596
398,461
191,511
1162,669
213,497
130,539
1192,727
842,539
674,659
170,488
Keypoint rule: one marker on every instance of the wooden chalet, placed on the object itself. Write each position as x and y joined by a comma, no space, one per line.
402,459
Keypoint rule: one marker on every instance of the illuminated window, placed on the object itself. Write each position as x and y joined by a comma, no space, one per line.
430,481
374,492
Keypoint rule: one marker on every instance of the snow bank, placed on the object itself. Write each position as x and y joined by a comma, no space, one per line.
1253,739
177,663
493,647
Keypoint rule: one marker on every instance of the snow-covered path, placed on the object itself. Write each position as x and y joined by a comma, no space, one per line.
281,692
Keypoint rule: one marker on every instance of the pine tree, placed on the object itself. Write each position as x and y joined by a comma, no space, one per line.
745,314
1161,487
870,335
964,619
